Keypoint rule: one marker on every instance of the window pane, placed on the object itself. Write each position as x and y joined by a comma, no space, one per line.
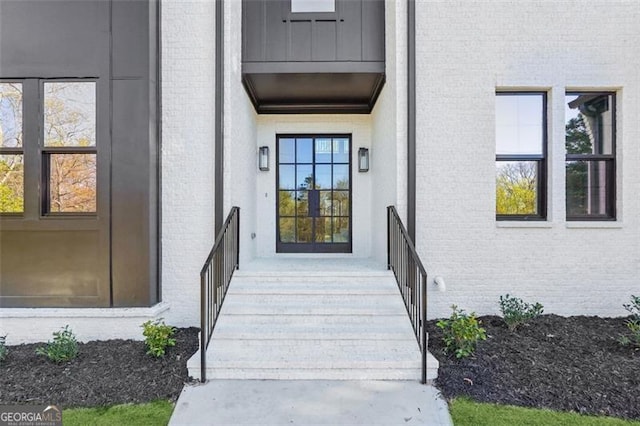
517,187
287,178
287,151
341,203
519,124
11,184
340,229
299,6
304,151
72,183
10,115
589,123
302,203
303,229
587,188
341,177
287,203
341,150
70,114
325,203
323,229
288,230
323,150
304,177
323,176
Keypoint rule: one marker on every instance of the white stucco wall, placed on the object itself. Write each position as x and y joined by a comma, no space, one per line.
467,49
188,106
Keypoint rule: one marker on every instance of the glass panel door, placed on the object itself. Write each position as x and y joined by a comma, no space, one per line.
314,194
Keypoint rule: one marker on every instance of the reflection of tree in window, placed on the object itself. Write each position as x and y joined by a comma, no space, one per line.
12,162
69,121
577,142
73,183
516,188
11,184
590,156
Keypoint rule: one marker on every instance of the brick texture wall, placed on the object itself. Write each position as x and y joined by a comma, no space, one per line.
188,62
467,49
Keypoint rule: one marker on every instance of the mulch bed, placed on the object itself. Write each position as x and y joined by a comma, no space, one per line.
570,364
104,373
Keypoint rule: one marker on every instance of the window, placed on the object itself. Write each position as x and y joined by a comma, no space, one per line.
590,155
69,152
67,144
313,6
11,150
521,134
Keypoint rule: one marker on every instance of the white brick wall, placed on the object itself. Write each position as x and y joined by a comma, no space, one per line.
389,147
240,151
188,105
467,49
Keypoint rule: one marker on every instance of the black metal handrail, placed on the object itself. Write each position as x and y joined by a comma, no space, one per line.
411,277
215,277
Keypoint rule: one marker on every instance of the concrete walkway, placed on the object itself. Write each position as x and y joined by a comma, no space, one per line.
310,402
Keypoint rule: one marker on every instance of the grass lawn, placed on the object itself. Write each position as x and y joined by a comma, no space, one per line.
151,414
466,412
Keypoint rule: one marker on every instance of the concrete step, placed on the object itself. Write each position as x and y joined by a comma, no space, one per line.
345,370
321,304
310,374
322,274
309,321
327,327
314,285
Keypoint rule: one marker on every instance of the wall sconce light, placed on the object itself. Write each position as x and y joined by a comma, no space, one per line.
363,160
263,159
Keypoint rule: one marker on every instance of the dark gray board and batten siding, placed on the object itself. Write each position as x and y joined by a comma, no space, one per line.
110,258
329,62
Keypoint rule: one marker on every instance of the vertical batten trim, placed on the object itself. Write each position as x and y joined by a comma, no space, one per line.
411,120
219,118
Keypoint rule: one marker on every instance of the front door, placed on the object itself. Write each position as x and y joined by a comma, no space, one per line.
313,182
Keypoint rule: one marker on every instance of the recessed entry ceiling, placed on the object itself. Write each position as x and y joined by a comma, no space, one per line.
297,93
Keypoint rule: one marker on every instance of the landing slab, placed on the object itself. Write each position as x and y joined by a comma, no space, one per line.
306,402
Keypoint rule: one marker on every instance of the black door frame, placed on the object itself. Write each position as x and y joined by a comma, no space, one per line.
313,246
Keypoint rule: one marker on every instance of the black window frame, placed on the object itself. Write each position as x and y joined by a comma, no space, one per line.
34,151
47,151
611,183
540,159
19,150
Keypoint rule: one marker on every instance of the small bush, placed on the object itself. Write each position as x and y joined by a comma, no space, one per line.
633,324
64,346
516,312
157,337
3,348
462,332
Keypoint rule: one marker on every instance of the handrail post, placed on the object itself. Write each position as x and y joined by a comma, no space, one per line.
389,237
203,330
423,290
237,238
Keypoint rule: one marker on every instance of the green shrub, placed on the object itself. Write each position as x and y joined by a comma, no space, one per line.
633,323
515,312
462,332
157,337
64,346
3,348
